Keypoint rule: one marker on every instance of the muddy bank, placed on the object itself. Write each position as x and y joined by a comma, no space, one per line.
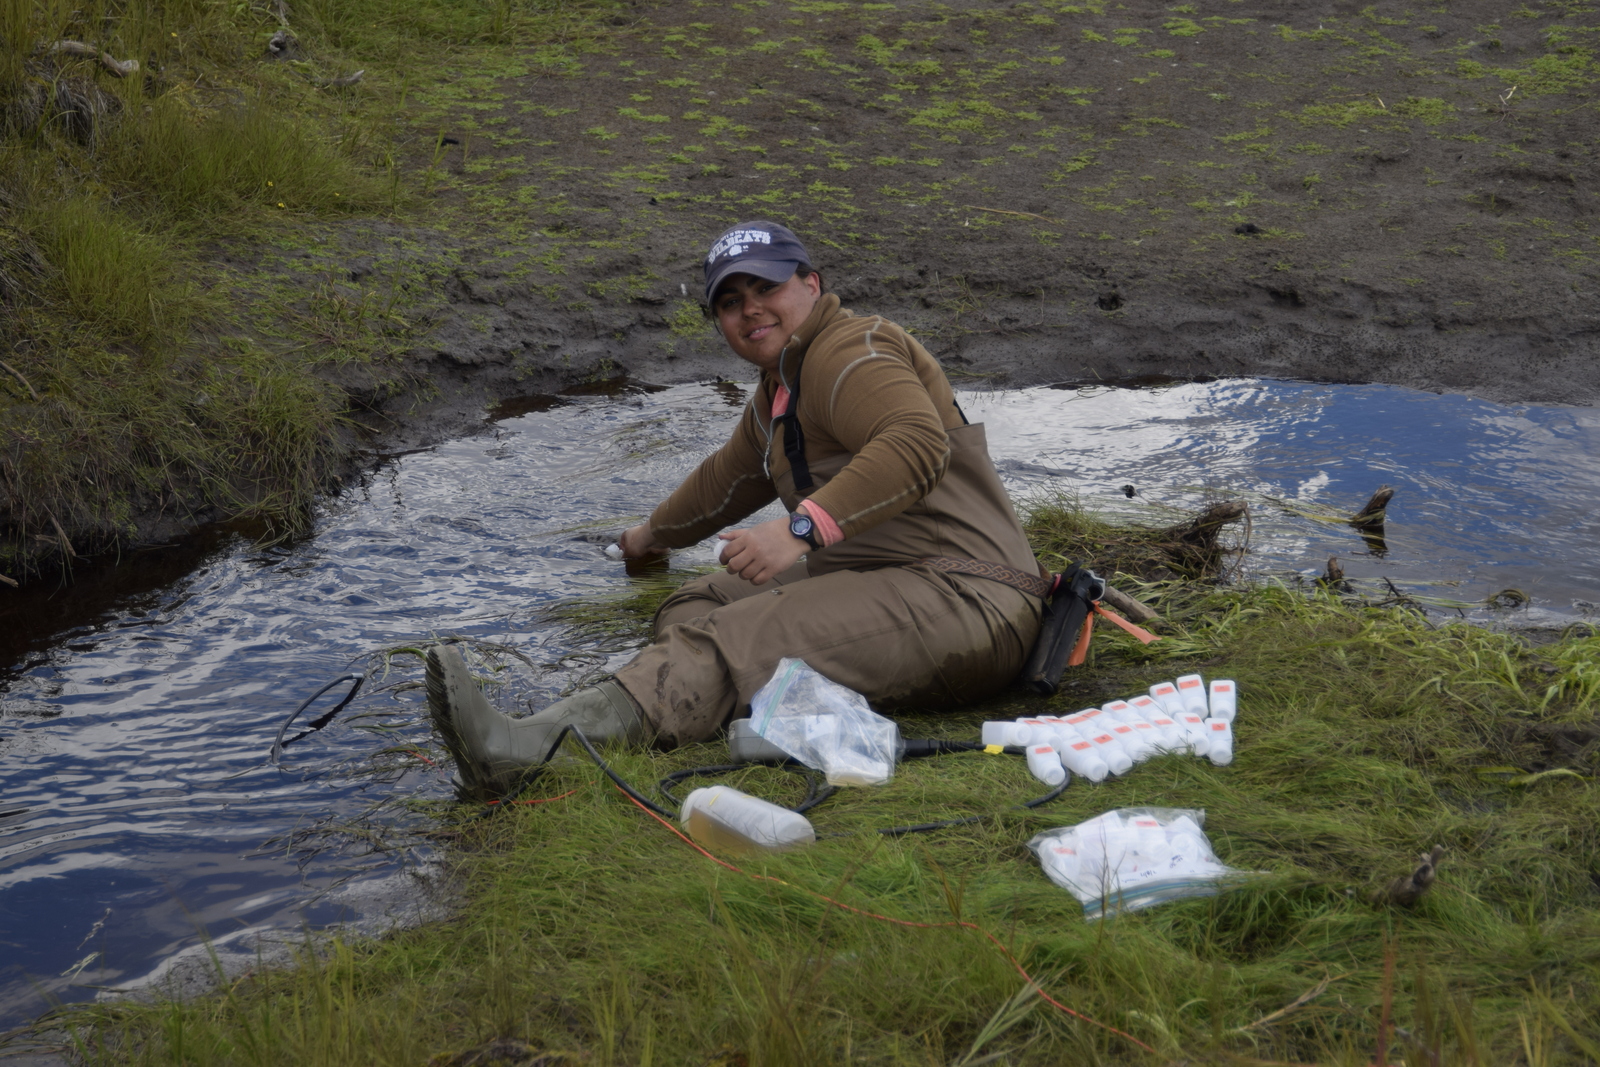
1050,191
1041,191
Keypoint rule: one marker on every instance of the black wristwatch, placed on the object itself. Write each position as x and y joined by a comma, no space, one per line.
801,526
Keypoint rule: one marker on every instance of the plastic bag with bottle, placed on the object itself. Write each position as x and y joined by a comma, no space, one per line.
825,726
1133,858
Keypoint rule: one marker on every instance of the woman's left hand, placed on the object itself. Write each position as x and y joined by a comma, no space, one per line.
762,552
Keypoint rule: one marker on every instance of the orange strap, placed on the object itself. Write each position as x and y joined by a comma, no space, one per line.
1080,651
1112,617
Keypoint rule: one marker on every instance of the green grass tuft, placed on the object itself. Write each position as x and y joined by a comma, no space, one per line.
188,162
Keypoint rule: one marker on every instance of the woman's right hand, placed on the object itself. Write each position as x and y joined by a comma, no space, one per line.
638,542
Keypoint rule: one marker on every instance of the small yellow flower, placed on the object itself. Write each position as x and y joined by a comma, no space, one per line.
335,194
174,35
269,185
280,203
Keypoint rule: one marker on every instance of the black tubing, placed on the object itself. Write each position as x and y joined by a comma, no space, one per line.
279,744
923,827
816,791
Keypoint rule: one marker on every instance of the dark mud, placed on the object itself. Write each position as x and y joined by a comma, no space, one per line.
1042,191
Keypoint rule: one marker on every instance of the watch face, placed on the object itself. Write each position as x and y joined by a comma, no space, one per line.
800,525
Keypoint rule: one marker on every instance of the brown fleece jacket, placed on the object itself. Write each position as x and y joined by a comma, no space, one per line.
868,394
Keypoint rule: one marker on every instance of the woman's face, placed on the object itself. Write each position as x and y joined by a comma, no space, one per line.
757,317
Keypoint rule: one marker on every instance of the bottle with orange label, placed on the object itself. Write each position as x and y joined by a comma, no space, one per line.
1076,752
1220,733
1192,691
1045,765
1091,729
1173,739
1148,737
1224,699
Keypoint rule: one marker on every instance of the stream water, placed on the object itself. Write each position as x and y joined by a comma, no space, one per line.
138,810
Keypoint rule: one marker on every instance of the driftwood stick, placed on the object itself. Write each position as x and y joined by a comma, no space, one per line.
15,373
1204,526
12,582
120,67
1372,513
1131,609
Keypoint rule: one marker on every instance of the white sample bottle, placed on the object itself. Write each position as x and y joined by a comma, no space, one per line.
1032,731
1145,735
1092,722
1166,694
1021,735
1192,691
1080,758
1224,699
1220,733
1077,754
1135,745
996,733
1045,765
1105,744
720,816
1194,727
1173,739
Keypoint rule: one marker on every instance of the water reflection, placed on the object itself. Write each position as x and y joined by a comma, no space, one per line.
138,708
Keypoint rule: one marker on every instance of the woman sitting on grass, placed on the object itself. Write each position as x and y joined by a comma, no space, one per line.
899,572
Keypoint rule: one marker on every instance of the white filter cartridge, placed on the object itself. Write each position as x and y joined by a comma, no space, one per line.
1195,728
720,816
1224,699
1045,765
1166,694
1192,691
1221,734
1173,739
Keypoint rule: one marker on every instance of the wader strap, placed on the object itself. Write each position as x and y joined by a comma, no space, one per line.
1031,584
794,439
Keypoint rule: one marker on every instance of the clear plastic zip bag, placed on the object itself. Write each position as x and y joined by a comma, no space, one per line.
825,726
1133,858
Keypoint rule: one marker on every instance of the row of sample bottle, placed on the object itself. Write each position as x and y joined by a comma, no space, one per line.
1173,717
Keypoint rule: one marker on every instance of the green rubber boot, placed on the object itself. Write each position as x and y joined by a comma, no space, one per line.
495,752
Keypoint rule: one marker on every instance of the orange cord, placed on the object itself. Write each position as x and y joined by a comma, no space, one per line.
1015,963
542,800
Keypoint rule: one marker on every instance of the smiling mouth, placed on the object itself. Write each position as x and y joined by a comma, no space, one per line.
760,332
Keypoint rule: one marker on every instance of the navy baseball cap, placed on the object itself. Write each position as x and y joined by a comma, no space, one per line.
764,249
